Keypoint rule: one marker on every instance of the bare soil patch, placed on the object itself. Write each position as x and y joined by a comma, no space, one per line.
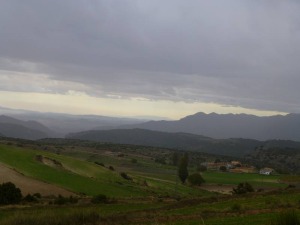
49,162
224,189
29,185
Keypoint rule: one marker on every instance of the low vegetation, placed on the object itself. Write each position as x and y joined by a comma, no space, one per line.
195,179
243,188
9,194
289,217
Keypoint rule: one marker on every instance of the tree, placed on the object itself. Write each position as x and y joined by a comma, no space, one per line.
195,179
175,159
9,194
183,172
223,168
243,188
99,199
201,168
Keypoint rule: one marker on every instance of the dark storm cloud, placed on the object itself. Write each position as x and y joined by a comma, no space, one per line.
241,53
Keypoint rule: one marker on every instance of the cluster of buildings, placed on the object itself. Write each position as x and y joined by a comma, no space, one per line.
236,167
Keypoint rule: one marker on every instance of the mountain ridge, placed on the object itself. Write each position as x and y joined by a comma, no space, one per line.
32,130
231,126
180,140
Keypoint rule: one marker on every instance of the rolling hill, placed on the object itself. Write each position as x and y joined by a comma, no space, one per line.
63,124
181,141
32,130
19,131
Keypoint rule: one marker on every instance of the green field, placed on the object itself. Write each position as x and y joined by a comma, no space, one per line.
86,177
257,180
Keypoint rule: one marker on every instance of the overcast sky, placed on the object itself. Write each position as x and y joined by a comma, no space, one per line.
161,57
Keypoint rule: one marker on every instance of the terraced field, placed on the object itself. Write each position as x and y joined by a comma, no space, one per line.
84,177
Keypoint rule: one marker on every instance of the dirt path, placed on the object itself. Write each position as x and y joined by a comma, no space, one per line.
29,185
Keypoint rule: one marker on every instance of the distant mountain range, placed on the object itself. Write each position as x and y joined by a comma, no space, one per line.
233,135
32,130
63,124
231,126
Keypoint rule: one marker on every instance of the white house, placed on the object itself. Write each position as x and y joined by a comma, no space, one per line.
266,171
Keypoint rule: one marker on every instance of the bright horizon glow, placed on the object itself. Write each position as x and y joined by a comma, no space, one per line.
79,103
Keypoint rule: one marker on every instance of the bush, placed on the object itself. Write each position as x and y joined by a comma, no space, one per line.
201,168
37,195
195,179
111,168
160,160
125,176
243,188
223,168
286,218
30,198
99,199
9,194
100,164
236,207
133,160
60,200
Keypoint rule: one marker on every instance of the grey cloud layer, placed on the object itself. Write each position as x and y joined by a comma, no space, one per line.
244,53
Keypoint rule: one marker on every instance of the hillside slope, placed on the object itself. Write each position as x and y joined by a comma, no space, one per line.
78,176
29,185
19,131
283,160
181,141
32,130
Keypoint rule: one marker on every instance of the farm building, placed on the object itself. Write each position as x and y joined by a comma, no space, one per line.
266,171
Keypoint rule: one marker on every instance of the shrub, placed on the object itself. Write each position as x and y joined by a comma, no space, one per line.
243,188
201,168
133,160
286,218
73,200
223,168
111,168
60,200
37,195
9,194
195,179
30,198
100,164
160,160
236,207
125,176
99,199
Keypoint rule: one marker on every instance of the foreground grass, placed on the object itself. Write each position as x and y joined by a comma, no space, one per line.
258,209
